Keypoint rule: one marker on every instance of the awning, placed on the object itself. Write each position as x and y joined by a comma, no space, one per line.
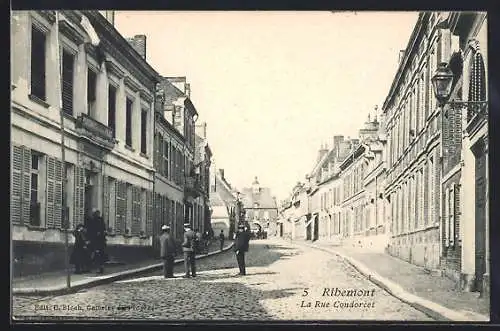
219,212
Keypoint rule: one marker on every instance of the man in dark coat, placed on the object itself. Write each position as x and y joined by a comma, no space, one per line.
98,241
188,247
80,257
167,251
241,243
221,239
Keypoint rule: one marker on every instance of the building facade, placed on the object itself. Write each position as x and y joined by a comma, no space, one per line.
465,232
261,208
203,162
176,185
223,204
414,149
106,93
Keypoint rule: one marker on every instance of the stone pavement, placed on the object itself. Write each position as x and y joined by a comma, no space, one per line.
283,282
55,282
417,281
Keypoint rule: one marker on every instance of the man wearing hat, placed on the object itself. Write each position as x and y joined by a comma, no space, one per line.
241,243
167,251
188,249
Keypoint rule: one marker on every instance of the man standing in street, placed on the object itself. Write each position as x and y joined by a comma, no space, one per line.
221,239
188,249
167,251
241,247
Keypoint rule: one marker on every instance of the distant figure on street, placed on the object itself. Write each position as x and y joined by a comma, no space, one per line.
188,247
80,257
221,239
98,242
197,242
167,251
241,243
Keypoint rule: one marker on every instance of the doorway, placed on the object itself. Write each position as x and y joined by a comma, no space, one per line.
90,201
316,228
480,212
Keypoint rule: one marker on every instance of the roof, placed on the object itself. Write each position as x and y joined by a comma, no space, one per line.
264,198
172,93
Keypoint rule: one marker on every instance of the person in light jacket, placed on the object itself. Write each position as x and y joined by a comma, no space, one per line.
167,251
188,247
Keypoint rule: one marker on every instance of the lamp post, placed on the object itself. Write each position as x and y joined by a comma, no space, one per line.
442,84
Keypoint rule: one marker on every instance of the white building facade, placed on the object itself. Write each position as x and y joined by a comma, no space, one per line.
107,97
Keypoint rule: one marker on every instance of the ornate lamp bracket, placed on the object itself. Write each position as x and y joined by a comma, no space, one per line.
473,107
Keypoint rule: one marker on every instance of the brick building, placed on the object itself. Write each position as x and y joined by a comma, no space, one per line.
107,94
464,226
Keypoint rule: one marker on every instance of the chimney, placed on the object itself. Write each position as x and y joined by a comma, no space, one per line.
138,42
337,140
201,130
187,88
401,55
110,16
221,173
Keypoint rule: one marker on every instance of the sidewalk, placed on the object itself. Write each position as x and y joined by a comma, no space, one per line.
437,296
54,283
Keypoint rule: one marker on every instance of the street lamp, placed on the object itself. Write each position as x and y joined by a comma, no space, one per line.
442,83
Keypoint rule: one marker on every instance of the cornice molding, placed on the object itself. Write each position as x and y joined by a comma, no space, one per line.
132,84
146,95
71,33
114,69
49,15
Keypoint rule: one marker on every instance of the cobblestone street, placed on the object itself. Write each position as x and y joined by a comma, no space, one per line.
283,282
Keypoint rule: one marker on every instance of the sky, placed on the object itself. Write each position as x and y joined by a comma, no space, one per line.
273,86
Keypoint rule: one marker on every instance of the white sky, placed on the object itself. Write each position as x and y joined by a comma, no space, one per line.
273,86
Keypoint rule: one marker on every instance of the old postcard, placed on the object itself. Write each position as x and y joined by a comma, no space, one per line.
249,166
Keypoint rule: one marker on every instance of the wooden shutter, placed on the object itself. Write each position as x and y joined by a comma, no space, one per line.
149,213
16,188
106,197
49,215
136,211
26,186
112,204
38,64
58,169
121,207
79,197
67,82
452,215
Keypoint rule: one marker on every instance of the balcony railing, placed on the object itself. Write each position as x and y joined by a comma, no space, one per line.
95,131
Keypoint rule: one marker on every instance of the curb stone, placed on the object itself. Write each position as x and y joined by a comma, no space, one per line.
121,275
432,309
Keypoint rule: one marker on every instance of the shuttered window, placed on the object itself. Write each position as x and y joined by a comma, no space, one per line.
166,164
112,108
121,207
136,211
144,131
22,190
54,193
128,123
149,213
38,48
34,204
68,63
91,92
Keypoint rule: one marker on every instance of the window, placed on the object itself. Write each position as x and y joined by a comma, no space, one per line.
91,92
166,164
68,63
38,64
144,129
112,108
34,194
128,123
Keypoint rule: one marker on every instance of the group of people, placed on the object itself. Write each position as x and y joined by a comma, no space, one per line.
189,247
89,250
